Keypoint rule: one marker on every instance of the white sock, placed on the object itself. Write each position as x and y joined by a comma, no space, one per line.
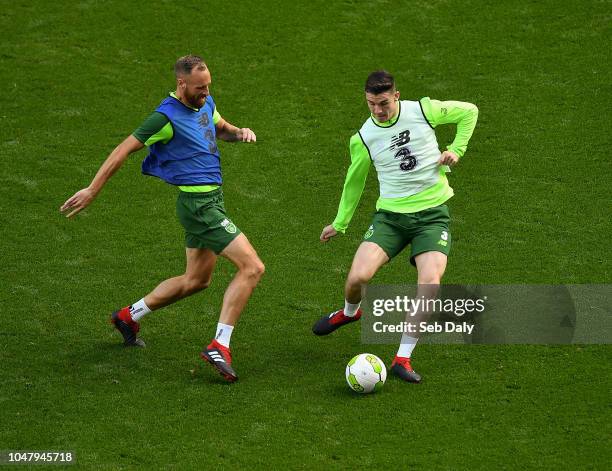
407,344
224,334
138,310
350,309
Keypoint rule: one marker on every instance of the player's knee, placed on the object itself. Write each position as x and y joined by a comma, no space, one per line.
359,277
430,278
254,270
258,269
261,269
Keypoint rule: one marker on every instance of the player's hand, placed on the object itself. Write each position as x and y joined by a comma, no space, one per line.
77,202
246,135
328,233
448,158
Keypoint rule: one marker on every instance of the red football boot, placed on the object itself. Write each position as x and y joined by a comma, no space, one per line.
327,324
122,320
220,358
401,367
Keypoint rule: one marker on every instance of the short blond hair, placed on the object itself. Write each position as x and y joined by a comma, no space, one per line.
184,65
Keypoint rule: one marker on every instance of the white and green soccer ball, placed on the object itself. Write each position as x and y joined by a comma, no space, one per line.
366,373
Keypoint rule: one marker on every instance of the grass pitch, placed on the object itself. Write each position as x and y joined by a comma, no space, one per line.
531,206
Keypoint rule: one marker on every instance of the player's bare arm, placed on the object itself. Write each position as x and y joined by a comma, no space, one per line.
230,133
83,198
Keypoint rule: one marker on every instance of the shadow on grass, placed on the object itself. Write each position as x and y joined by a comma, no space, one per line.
204,374
344,392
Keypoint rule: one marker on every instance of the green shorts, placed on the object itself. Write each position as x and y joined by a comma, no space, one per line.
425,231
204,219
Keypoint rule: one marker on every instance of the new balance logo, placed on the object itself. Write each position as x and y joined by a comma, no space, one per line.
401,139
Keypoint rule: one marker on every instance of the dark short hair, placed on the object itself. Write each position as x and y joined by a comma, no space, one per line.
379,81
184,65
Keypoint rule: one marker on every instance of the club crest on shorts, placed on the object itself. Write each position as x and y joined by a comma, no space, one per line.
229,226
369,232
443,239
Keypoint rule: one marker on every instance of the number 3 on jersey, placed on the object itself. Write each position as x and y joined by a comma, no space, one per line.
407,160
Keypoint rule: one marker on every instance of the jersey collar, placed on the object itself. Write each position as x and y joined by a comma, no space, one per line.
173,95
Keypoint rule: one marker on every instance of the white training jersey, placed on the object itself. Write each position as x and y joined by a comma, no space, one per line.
405,153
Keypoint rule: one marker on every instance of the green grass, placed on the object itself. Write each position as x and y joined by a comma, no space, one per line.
532,206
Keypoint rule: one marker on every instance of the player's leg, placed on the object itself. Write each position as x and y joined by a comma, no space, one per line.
197,276
202,217
250,270
383,240
430,267
429,253
367,261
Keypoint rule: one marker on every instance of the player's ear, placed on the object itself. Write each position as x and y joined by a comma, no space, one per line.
397,95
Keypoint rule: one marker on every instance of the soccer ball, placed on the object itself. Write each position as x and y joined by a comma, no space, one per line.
366,373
